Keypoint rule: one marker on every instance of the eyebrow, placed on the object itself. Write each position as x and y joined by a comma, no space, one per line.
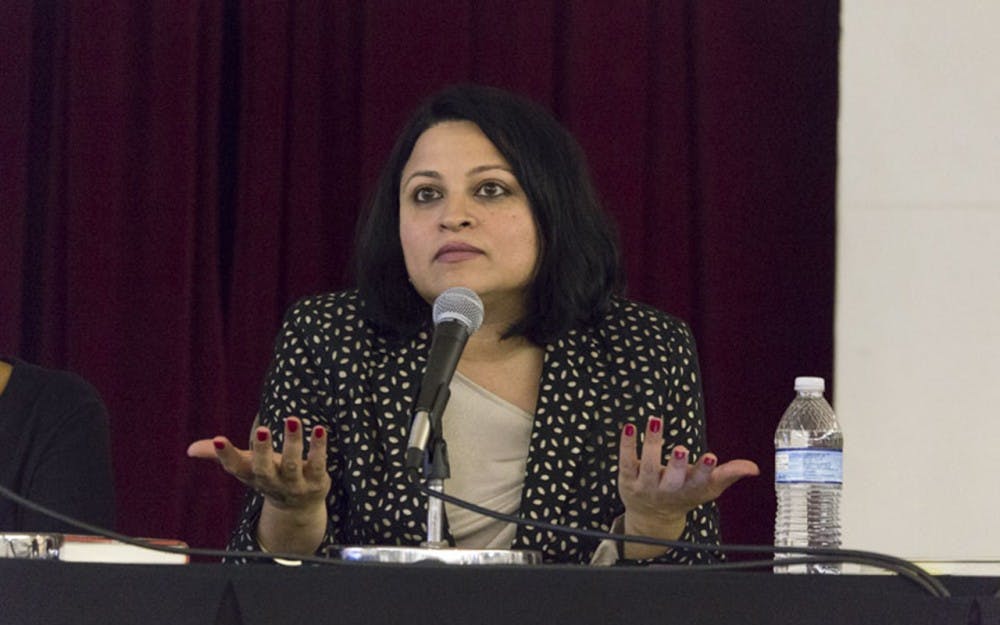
430,173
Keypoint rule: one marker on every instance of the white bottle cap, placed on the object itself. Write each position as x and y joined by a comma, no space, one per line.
804,383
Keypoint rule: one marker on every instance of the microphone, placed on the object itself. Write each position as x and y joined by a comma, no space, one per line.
458,312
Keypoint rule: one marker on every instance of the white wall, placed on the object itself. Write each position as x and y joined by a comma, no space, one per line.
917,370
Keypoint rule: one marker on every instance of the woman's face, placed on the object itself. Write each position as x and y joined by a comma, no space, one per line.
464,219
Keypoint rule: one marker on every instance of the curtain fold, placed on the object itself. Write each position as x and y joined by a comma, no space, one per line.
175,174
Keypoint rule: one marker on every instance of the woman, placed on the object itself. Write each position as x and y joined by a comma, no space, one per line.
553,393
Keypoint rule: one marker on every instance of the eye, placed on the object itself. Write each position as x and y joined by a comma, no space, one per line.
426,194
492,190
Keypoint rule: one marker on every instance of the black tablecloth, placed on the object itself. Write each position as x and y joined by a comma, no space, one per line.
51,592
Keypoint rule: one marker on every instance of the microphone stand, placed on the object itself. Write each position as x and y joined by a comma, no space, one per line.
436,471
435,549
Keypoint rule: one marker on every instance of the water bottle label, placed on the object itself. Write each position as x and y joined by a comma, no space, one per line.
824,466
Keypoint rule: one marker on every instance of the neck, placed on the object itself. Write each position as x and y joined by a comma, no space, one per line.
487,345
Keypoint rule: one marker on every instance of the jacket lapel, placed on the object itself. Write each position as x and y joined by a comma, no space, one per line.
396,373
572,392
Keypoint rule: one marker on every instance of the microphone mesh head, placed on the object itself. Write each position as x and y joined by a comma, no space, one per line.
460,304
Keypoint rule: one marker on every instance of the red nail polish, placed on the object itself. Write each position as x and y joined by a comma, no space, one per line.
219,444
293,426
262,435
318,431
680,454
655,425
709,461
629,430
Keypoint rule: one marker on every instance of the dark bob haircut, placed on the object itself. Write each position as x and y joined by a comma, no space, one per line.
578,267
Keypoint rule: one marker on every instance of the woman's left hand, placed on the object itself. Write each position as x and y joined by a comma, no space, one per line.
657,498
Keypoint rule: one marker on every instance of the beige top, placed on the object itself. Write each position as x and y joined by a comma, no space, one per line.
488,440
488,451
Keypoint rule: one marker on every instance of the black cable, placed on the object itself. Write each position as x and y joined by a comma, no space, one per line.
189,551
816,554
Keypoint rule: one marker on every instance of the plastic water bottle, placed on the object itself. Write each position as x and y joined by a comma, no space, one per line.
808,474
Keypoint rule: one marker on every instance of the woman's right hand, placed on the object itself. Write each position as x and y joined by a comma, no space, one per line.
293,518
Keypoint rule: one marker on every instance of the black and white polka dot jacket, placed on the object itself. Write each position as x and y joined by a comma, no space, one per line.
331,368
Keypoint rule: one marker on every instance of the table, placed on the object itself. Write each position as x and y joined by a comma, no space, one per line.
52,593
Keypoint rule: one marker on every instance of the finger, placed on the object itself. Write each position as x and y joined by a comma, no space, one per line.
725,475
237,462
700,474
253,429
652,450
291,451
628,454
315,467
677,469
203,448
262,453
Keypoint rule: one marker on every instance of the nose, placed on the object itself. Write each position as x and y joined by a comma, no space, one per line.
456,215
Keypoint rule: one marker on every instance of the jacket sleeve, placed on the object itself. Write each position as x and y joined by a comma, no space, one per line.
299,382
674,379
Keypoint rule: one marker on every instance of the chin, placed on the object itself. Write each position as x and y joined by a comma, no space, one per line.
443,284
431,292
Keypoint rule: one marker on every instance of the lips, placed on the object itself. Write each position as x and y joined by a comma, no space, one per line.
456,252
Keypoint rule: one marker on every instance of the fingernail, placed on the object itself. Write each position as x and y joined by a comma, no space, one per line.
709,461
318,431
262,434
219,444
293,426
655,424
680,454
629,430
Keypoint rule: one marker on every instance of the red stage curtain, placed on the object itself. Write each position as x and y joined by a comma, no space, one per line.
174,174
